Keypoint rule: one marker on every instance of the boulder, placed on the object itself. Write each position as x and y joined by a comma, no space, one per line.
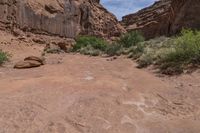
27,64
34,58
30,62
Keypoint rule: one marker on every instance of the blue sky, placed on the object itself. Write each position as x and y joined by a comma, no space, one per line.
124,7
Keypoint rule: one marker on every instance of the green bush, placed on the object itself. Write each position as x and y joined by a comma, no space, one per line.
186,52
90,45
3,57
170,55
149,52
89,50
145,60
128,44
113,49
94,42
131,39
135,51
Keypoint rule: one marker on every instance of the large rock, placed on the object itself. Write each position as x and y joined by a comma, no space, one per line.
164,17
30,62
41,60
64,18
27,64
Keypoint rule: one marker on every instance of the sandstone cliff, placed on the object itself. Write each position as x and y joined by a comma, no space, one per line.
185,15
164,17
64,18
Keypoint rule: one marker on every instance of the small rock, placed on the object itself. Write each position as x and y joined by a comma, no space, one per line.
113,58
52,48
39,40
17,32
22,38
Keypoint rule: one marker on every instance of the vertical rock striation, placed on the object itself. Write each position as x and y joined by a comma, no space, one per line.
64,18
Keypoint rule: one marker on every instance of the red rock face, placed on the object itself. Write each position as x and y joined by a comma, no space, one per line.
151,21
65,18
185,15
165,17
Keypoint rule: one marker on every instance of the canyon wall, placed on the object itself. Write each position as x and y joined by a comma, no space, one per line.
64,18
164,17
185,15
69,18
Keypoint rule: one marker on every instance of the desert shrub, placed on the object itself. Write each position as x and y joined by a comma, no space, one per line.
186,52
53,50
90,45
171,68
131,39
89,50
170,55
128,44
149,52
114,49
145,60
89,41
3,57
135,51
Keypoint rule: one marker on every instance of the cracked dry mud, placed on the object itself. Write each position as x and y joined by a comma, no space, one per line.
81,94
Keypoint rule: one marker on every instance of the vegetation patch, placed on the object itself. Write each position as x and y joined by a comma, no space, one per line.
152,51
114,49
3,57
131,39
184,55
94,46
86,44
89,50
170,55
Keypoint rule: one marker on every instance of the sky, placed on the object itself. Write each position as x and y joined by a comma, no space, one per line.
125,7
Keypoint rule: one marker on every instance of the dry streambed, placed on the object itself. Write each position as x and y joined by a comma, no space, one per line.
81,94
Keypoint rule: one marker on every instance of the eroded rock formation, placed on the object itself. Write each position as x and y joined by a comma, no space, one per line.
185,15
164,17
151,21
65,18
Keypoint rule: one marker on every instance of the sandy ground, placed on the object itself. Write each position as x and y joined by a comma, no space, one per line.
81,94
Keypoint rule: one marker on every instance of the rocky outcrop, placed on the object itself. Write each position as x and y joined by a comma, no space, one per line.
64,18
164,17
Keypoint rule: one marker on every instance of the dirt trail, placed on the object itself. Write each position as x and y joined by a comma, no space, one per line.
80,94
